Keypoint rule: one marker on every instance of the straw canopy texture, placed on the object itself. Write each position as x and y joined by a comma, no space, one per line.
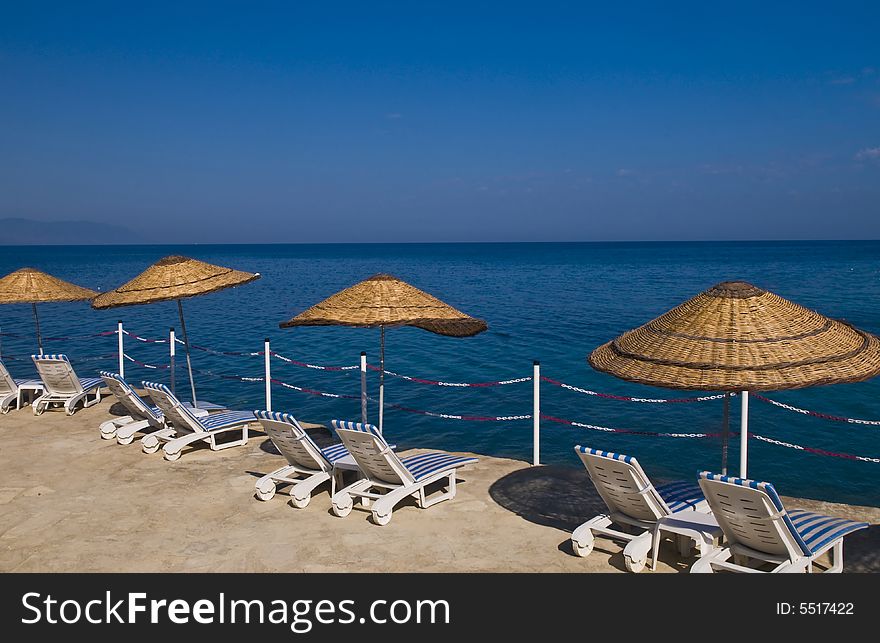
384,300
173,278
31,286
737,337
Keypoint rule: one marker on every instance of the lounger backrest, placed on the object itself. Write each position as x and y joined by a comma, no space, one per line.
173,410
7,384
57,374
751,514
127,396
292,441
373,455
623,484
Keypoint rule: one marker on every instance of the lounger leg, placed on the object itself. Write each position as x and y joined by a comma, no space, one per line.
635,554
343,500
172,447
301,492
582,539
266,486
109,428
836,558
215,446
125,434
703,565
150,442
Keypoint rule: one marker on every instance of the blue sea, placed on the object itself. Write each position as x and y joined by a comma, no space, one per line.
552,302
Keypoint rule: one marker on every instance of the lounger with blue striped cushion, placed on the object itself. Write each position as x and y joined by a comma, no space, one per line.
142,416
11,390
389,479
190,428
62,386
308,465
632,501
759,532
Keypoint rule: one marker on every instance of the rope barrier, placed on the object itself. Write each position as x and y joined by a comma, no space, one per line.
606,429
420,380
146,340
317,367
824,416
449,416
813,450
314,392
144,364
627,398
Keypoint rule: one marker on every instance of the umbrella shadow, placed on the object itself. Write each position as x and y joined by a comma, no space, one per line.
862,551
551,496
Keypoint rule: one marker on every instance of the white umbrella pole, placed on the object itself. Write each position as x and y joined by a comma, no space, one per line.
381,377
744,436
192,384
37,322
725,440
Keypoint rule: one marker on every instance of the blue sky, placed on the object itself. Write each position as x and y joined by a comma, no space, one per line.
334,121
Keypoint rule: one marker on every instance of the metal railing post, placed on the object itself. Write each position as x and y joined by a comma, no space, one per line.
267,354
172,340
536,413
121,348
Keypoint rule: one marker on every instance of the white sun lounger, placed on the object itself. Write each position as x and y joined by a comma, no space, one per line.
141,416
189,429
398,477
758,530
633,502
11,390
308,465
62,386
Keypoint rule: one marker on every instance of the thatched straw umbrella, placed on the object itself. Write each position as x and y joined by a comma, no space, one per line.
175,278
31,286
385,301
737,337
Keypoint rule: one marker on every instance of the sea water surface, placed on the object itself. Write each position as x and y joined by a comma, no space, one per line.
552,302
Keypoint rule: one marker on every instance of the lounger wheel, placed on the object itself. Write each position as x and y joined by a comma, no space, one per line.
634,565
381,520
150,448
126,440
171,457
150,444
300,503
109,435
583,547
265,493
343,508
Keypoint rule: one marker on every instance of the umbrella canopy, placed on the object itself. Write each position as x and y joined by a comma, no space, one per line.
738,337
32,286
174,278
384,300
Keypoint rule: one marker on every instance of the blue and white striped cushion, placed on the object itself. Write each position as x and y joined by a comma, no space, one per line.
817,530
224,420
27,382
55,356
334,452
90,382
680,496
605,454
426,464
355,426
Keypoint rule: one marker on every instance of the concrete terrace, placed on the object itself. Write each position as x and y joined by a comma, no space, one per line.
70,501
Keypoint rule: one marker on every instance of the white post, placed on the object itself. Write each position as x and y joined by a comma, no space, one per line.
536,413
744,436
121,348
267,354
172,340
364,387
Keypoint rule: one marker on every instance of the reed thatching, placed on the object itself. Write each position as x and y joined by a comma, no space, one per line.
173,278
736,337
32,286
384,300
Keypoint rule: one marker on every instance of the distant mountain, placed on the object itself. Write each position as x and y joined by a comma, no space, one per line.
28,232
